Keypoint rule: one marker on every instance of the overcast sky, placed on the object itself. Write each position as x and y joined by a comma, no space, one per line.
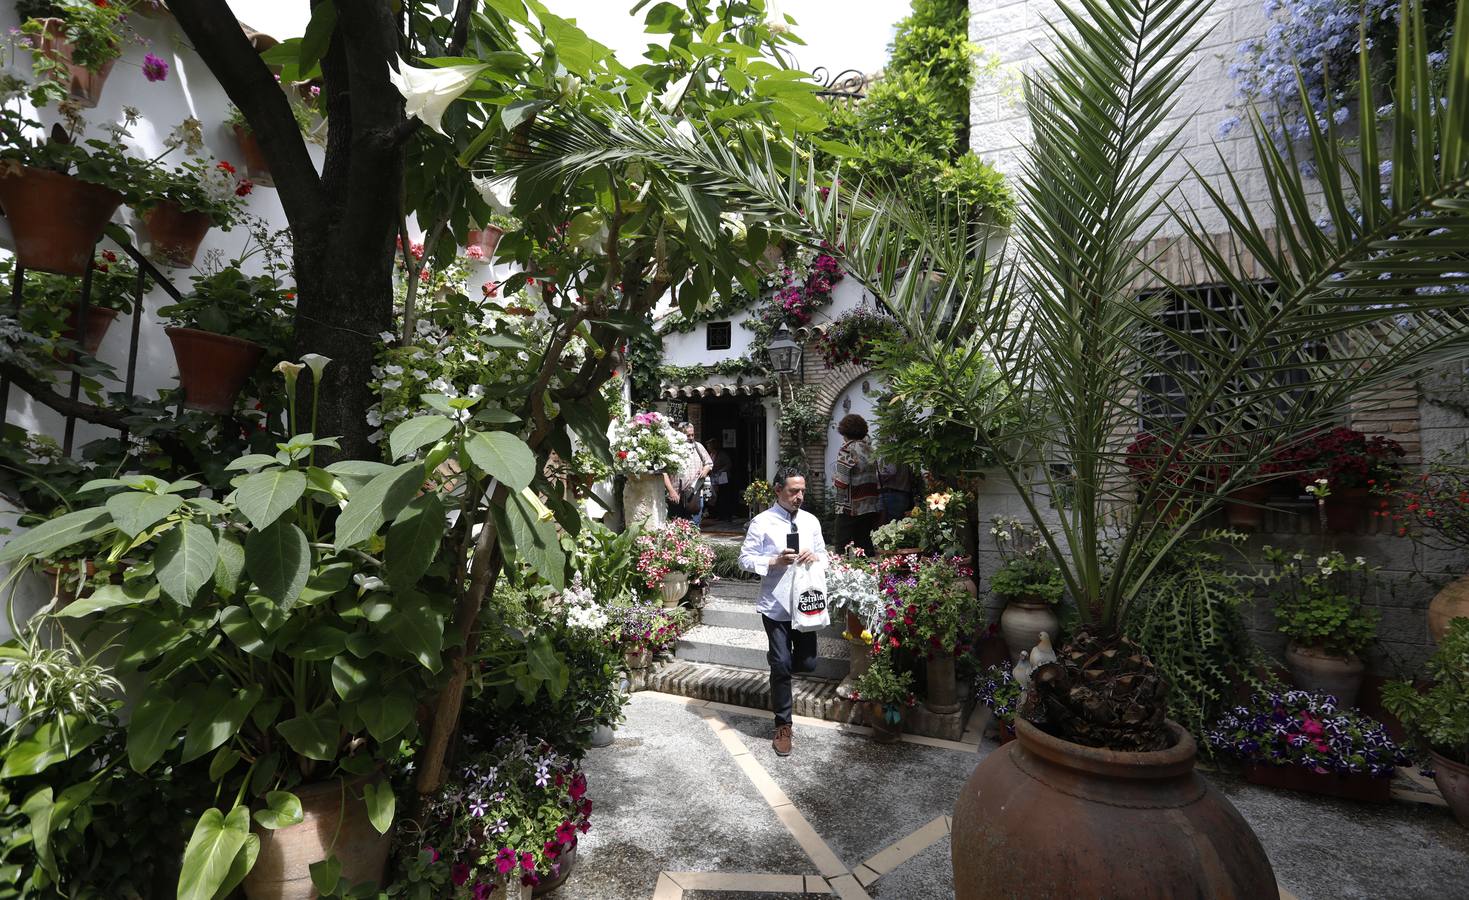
839,34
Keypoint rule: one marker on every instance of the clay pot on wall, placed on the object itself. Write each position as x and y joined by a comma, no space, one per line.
89,336
487,239
85,87
1313,669
1245,508
1344,509
1448,604
331,825
255,165
212,367
1022,622
176,234
1043,817
56,219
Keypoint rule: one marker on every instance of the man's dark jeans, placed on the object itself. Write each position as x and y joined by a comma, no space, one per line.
791,651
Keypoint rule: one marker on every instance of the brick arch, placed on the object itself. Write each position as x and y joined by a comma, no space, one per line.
830,386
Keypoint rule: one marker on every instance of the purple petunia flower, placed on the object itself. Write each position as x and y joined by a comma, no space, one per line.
154,68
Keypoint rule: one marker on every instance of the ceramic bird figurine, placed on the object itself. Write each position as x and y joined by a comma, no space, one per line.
1043,653
1021,672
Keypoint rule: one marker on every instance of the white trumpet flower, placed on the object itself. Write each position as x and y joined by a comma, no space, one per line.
428,92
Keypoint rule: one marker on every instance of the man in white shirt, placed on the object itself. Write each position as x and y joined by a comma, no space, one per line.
766,552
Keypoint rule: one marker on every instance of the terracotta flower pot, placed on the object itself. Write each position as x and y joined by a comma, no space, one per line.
1022,622
176,234
1344,508
212,367
1044,817
255,165
943,686
1448,604
487,239
56,219
638,659
85,86
1360,786
1245,508
883,731
1452,779
330,826
1316,670
99,319
568,862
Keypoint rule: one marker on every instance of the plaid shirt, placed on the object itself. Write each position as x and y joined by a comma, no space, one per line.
855,478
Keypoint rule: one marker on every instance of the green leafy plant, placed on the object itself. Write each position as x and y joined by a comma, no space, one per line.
1439,717
928,608
884,684
212,187
94,31
251,307
981,187
1320,605
24,142
999,690
1028,573
758,496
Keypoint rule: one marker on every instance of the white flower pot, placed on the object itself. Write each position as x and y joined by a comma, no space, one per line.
675,585
645,502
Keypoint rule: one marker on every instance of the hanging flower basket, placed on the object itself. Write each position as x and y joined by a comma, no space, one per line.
176,233
85,86
56,219
212,367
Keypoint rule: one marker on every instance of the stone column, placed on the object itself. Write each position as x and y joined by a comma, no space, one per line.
772,435
645,502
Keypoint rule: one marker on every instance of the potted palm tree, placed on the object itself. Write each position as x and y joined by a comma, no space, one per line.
1077,344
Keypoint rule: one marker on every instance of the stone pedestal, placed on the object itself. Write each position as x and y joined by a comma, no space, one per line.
645,502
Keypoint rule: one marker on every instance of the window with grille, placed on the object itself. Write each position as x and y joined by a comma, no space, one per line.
1193,326
718,336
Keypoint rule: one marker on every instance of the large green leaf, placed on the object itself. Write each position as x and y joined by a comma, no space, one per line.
242,630
326,582
108,597
264,496
325,874
502,455
386,714
532,540
314,736
379,500
418,629
278,559
243,862
56,534
230,566
40,809
318,37
282,810
210,855
47,745
218,715
417,432
318,642
185,559
349,677
134,512
413,540
156,722
381,804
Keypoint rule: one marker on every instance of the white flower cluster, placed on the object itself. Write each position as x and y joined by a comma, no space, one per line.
645,443
583,612
853,588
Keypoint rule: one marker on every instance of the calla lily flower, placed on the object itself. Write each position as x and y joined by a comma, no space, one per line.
428,92
317,362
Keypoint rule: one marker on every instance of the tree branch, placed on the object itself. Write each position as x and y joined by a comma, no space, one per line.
221,42
42,392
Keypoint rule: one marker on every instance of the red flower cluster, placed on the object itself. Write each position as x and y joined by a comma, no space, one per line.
1187,463
1345,457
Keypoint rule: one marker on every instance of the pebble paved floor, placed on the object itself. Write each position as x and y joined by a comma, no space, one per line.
692,804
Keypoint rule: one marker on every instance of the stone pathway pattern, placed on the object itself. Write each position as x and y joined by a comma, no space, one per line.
691,803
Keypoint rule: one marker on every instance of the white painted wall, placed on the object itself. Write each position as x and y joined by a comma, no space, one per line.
1012,30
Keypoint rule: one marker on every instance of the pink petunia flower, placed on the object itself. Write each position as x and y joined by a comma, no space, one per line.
154,68
459,873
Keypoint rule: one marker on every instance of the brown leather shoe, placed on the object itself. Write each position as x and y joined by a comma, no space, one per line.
782,742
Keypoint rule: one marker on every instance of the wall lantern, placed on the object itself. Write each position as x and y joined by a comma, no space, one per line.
785,354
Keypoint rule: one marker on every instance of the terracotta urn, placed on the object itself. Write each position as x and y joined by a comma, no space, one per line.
335,822
1043,817
56,219
1452,779
1314,669
176,234
1023,621
212,367
1447,605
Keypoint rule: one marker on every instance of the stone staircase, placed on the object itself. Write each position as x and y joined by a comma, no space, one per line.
723,659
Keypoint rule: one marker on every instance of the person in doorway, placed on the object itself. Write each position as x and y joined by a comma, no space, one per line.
854,480
719,492
778,538
896,481
686,486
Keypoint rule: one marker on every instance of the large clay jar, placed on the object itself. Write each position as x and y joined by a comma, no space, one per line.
1316,670
56,219
1447,605
175,233
85,87
1344,508
645,502
1452,779
1245,508
255,165
330,826
943,687
1022,622
212,367
1043,817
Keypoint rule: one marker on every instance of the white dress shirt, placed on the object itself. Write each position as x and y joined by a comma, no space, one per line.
765,539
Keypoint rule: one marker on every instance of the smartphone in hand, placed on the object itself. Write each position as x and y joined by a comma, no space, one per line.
793,542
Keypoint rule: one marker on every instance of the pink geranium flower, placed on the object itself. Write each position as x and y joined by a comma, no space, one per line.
154,68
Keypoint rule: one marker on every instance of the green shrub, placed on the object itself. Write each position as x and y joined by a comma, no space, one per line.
1439,717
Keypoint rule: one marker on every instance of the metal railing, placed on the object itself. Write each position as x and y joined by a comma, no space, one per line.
147,273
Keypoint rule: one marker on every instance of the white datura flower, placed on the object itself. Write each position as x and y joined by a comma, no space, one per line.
428,92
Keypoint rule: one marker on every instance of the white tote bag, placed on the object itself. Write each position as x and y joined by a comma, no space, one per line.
808,596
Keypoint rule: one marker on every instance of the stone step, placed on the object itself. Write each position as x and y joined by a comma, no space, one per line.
747,648
736,589
743,614
810,696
